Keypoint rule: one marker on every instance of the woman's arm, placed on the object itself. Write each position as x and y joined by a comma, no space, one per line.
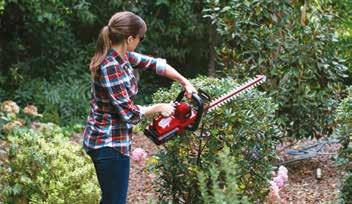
165,109
173,74
160,66
112,79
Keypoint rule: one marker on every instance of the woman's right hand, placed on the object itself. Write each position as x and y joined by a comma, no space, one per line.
166,109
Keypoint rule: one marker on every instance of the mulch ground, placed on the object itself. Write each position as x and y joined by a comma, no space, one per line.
141,188
303,185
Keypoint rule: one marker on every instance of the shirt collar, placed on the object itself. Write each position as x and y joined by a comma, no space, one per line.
113,53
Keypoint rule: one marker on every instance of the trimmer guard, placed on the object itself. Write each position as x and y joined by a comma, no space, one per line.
159,139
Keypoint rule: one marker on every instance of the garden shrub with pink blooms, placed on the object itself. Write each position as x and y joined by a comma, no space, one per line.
245,126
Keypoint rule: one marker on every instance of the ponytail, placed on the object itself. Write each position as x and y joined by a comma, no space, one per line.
102,48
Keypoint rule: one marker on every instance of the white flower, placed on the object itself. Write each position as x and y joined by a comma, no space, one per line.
9,107
283,173
31,110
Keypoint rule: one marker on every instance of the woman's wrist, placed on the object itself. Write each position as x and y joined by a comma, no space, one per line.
183,81
149,110
174,75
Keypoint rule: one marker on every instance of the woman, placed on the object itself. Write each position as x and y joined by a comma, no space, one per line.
107,136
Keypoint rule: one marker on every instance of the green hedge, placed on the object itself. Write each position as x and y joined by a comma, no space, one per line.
344,132
246,126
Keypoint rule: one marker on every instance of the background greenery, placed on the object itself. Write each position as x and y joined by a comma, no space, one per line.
303,47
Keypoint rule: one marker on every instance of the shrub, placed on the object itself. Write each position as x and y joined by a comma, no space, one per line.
39,162
45,167
218,183
344,132
344,122
245,126
294,44
347,190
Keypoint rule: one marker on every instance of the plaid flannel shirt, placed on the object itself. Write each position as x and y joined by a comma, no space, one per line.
112,113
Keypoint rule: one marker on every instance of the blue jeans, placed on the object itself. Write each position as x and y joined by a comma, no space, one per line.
113,169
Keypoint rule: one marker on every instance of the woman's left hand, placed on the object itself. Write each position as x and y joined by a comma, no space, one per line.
189,89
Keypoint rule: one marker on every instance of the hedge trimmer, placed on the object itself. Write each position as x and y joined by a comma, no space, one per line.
188,117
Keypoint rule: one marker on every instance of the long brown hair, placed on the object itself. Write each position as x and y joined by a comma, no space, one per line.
121,25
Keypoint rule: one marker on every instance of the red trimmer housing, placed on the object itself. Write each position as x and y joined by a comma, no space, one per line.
186,116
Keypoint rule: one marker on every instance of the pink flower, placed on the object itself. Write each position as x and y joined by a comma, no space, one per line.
138,155
279,181
281,177
283,169
274,194
277,185
152,176
283,173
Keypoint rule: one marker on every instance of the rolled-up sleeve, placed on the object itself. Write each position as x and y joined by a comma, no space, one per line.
113,79
145,62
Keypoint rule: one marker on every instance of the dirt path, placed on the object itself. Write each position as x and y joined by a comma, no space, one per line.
303,186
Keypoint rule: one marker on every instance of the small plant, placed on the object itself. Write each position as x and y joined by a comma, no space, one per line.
218,183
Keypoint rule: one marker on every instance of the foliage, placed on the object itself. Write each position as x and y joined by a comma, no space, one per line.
65,99
347,189
344,122
235,126
2,4
42,165
44,62
294,45
40,34
345,33
343,131
42,170
223,181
